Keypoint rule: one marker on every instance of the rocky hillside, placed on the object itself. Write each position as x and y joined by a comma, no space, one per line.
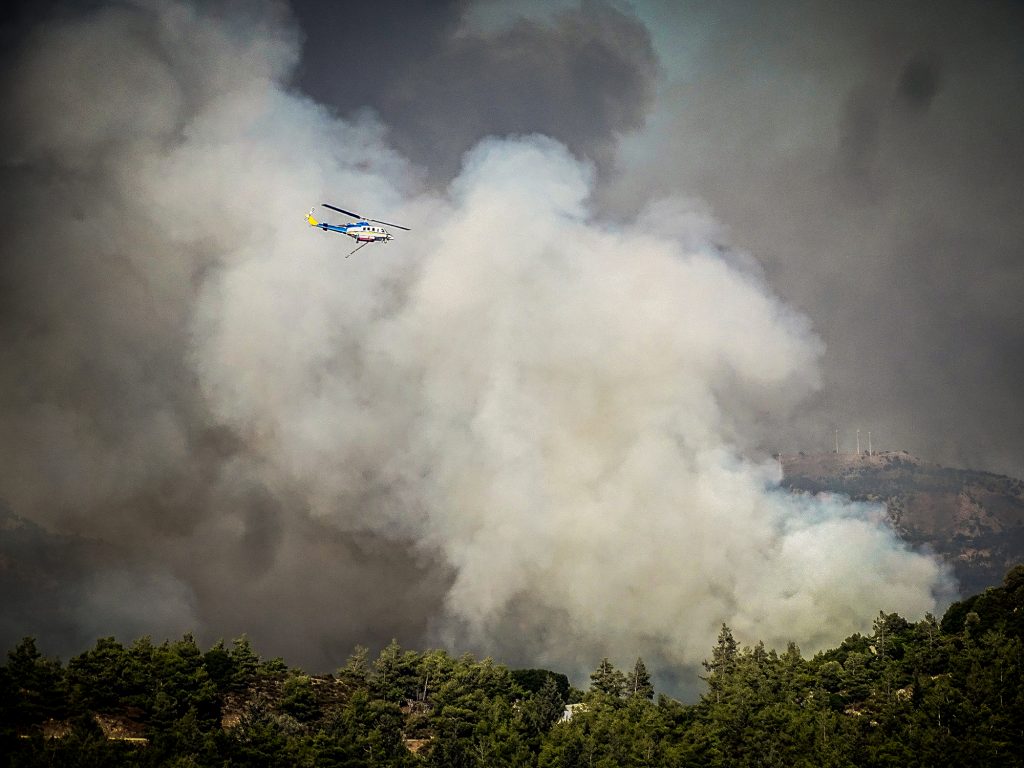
973,520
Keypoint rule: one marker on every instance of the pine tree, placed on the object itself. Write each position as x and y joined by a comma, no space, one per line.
97,677
36,684
394,677
356,671
723,662
219,665
299,700
543,708
245,662
607,679
638,683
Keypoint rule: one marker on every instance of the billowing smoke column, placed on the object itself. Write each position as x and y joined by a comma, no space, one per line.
515,427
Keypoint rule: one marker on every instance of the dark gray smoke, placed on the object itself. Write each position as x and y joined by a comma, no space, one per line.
872,159
584,75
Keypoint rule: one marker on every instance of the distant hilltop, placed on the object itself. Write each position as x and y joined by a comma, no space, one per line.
835,464
973,520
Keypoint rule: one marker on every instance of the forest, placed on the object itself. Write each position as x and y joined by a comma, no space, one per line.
926,693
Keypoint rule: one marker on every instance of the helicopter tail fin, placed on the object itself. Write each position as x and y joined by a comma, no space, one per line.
309,217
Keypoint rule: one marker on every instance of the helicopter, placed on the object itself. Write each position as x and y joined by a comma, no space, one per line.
362,231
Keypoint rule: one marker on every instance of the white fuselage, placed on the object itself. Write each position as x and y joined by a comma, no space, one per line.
367,233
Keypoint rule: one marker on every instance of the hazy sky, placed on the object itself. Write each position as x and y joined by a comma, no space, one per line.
652,243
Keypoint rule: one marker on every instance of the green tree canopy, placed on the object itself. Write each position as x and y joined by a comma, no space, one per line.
638,682
607,680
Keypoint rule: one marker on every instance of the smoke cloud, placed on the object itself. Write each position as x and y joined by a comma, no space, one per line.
520,427
872,161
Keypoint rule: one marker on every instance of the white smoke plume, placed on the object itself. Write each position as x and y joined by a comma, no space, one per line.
555,410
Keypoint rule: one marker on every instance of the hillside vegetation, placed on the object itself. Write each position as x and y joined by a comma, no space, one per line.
930,693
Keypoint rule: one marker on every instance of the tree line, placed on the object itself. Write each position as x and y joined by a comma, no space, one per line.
926,693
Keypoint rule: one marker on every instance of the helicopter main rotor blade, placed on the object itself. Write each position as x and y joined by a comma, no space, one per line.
396,226
361,218
341,210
